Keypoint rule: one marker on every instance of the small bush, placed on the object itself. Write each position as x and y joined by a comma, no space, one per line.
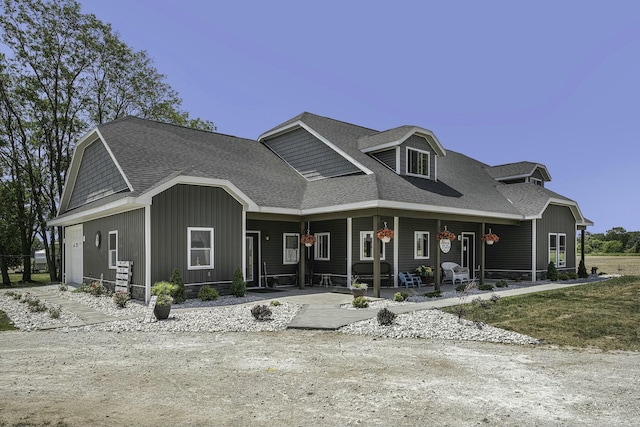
572,275
386,317
582,270
207,293
552,272
485,287
179,294
14,295
563,276
238,286
461,287
54,312
275,303
261,312
121,298
434,294
62,287
400,296
360,302
502,284
96,289
36,306
494,298
163,288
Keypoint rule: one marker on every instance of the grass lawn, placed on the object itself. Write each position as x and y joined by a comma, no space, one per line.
604,315
38,279
5,323
628,265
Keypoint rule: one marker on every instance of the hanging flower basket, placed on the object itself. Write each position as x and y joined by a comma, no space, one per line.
385,234
308,240
445,235
490,238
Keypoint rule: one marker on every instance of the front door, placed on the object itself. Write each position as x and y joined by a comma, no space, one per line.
73,258
469,253
252,274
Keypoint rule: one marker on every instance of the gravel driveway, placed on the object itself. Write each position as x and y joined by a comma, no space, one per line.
306,378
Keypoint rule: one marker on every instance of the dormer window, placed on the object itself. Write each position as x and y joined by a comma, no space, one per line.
536,181
417,162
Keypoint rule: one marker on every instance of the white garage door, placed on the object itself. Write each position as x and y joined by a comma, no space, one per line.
73,254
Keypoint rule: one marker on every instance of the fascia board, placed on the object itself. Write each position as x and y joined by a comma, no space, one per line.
119,206
575,209
526,175
421,132
301,124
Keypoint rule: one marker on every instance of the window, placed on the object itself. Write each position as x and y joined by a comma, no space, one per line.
113,249
417,162
558,249
421,245
536,181
322,252
200,248
291,248
366,246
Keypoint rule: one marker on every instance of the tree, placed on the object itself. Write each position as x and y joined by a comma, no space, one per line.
64,72
9,238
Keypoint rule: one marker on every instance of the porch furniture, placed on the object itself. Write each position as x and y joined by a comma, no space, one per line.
325,280
364,270
454,272
407,279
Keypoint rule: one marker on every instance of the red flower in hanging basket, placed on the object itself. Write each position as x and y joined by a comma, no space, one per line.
445,235
490,237
384,233
308,239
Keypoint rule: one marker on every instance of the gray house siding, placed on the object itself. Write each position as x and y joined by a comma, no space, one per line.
309,156
272,249
556,219
97,177
337,263
185,206
388,157
406,242
421,144
512,255
130,228
537,174
366,224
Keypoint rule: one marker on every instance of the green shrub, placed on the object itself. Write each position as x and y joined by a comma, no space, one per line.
62,287
96,289
54,312
207,293
563,276
582,270
360,302
261,312
386,317
434,294
238,286
502,284
572,275
179,294
552,272
163,288
400,296
275,303
121,298
486,287
14,295
461,287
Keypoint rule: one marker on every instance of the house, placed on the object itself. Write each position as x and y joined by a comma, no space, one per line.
160,196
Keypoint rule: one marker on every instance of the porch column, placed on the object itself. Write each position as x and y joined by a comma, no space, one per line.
376,257
582,246
302,263
482,255
437,266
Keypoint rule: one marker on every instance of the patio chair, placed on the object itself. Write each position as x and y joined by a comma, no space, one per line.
454,272
407,279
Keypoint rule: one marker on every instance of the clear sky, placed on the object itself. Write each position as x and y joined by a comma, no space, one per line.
554,82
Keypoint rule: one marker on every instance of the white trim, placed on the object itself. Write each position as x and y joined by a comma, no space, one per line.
209,266
147,254
419,151
259,252
416,234
398,160
301,124
557,236
115,261
383,245
244,244
418,131
113,158
396,247
349,249
534,248
125,204
284,248
435,168
526,175
575,210
316,251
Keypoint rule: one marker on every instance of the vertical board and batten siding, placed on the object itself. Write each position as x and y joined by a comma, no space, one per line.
513,251
556,219
97,177
337,263
272,249
406,242
388,157
366,224
312,158
421,144
130,228
185,206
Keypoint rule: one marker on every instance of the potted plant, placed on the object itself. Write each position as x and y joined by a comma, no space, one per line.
490,238
425,272
385,234
308,239
445,235
163,291
358,289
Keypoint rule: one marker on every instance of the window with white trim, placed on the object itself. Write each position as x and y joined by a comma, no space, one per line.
418,162
366,246
199,248
290,248
113,249
558,249
421,245
322,249
535,181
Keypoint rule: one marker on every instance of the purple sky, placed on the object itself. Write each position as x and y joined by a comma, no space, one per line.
554,82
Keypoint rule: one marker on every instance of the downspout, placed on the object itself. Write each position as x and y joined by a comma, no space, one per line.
349,250
438,269
483,252
396,246
147,253
376,257
534,250
243,243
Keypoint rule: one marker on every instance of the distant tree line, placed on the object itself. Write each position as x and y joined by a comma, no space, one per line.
61,73
616,240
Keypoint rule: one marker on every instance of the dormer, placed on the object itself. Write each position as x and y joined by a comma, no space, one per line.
514,173
407,150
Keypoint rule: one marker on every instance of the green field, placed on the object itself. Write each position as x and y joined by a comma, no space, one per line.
611,264
38,279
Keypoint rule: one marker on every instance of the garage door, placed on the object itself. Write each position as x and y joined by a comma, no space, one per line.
73,254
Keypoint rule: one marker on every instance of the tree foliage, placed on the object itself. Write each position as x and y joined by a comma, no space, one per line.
63,72
615,240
